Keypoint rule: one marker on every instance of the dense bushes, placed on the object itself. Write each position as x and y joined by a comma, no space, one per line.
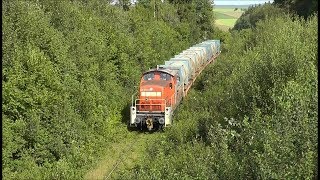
252,115
69,68
303,8
257,13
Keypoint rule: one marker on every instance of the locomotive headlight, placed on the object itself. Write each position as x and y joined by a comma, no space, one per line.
161,120
133,111
137,120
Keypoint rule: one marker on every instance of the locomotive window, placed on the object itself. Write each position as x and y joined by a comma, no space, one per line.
165,76
168,77
148,77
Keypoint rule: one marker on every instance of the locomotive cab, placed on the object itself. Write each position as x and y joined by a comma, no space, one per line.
155,100
155,87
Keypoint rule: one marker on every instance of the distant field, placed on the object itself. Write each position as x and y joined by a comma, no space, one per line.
226,17
226,22
220,15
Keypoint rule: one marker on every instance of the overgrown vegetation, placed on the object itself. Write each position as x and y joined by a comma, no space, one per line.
252,115
257,13
303,8
69,68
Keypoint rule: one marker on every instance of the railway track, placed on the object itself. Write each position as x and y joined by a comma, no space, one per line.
121,155
120,159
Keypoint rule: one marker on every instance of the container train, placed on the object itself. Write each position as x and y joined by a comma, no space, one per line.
162,88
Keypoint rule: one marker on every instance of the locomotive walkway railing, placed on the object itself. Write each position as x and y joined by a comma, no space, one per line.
154,105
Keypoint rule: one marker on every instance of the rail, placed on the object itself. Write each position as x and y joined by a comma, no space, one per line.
123,155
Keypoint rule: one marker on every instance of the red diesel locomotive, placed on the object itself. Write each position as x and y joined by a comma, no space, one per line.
162,88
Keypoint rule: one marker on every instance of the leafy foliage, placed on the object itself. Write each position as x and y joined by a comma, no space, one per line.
252,115
256,13
69,68
303,8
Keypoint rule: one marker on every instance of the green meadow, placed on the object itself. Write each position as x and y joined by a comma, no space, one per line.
226,17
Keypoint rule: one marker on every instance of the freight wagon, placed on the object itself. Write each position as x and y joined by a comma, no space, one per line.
162,88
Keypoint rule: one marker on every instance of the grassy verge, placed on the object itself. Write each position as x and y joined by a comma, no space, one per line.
121,155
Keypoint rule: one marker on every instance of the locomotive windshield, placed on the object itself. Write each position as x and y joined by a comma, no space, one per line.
148,77
165,76
157,76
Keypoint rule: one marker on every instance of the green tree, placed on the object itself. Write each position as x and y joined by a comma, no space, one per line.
303,8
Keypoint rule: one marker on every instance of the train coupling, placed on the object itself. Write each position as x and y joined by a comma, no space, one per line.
149,123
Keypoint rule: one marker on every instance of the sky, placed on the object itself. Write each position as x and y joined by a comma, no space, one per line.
240,2
230,2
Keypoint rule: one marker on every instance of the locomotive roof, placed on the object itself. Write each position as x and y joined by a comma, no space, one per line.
165,70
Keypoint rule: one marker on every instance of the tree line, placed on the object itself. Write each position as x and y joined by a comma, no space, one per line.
253,114
69,69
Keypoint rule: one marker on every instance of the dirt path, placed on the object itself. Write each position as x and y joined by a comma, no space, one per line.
121,155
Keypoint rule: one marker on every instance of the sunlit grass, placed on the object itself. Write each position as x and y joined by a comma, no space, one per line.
220,15
226,22
226,17
226,10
